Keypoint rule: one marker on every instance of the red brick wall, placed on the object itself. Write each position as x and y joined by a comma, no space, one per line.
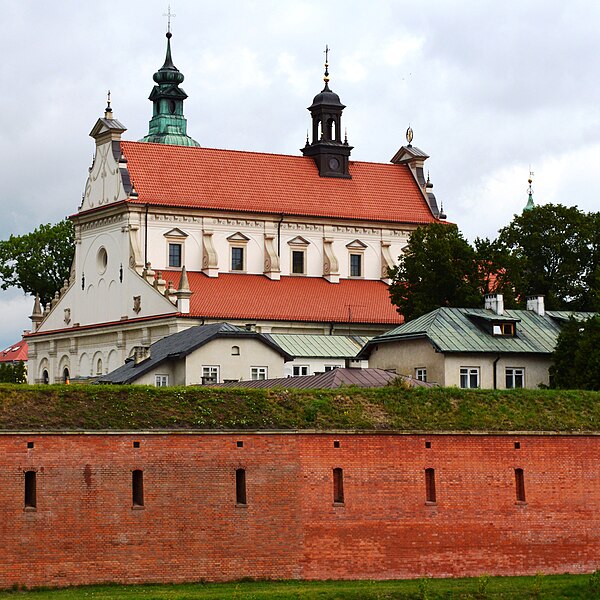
85,530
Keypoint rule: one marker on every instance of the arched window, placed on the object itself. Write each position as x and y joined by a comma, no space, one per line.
66,376
235,350
45,377
99,367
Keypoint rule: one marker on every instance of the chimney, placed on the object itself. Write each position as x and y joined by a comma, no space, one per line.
536,304
495,303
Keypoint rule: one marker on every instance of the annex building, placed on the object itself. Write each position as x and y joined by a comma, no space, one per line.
170,235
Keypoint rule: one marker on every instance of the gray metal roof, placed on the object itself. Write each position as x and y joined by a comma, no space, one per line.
461,330
303,345
179,345
333,379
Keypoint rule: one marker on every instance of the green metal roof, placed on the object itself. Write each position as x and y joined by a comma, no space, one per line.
319,346
457,330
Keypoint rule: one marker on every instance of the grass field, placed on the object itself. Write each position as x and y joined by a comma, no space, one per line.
539,587
95,407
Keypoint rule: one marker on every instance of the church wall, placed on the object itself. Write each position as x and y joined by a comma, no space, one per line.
193,223
85,528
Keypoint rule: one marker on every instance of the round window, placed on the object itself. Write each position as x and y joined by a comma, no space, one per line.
102,260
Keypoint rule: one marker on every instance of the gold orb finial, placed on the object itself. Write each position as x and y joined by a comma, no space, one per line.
409,135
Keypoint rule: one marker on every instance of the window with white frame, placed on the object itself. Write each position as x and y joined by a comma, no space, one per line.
238,243
298,262
469,377
331,367
237,258
356,250
300,370
175,255
421,374
175,248
161,380
257,373
210,374
515,377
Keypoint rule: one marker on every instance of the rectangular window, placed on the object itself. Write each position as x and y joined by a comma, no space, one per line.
300,370
507,329
298,262
30,489
240,486
430,485
331,367
237,259
515,378
175,255
421,374
137,487
161,380
469,377
210,374
356,265
520,485
258,373
338,486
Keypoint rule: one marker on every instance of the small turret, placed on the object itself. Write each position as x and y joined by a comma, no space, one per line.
183,293
37,316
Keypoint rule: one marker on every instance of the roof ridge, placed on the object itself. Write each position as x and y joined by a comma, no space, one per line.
254,152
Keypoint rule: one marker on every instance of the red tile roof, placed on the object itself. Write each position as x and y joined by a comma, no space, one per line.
271,183
14,353
255,297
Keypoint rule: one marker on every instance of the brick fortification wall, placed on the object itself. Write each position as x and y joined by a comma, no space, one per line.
84,527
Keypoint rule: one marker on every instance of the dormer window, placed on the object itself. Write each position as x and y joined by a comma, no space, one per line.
505,328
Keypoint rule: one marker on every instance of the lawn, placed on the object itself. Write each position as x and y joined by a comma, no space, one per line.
542,586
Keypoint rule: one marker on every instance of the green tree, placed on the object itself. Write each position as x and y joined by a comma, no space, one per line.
38,262
438,268
550,251
576,358
13,373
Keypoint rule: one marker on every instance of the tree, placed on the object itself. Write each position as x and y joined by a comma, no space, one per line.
438,268
576,357
550,251
13,373
38,262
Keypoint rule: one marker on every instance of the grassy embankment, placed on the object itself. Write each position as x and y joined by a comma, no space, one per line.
89,407
551,587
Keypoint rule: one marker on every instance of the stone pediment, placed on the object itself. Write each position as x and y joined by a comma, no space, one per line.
356,245
104,125
176,233
408,154
238,237
299,241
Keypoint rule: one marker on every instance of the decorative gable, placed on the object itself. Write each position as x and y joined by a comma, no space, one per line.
238,238
298,241
356,245
176,233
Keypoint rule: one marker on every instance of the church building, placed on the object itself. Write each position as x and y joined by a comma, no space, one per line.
170,235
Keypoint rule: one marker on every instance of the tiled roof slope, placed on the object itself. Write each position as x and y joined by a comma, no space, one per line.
336,378
271,183
15,353
306,299
457,330
179,345
310,345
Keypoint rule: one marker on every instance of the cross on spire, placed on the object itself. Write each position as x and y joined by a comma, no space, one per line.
326,76
326,53
169,14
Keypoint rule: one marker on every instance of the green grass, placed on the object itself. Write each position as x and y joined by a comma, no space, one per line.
520,588
90,407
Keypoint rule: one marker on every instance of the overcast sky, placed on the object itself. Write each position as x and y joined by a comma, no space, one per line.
489,89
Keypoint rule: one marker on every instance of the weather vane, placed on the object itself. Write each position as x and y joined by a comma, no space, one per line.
169,14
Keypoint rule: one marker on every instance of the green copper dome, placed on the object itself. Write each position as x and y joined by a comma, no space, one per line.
168,125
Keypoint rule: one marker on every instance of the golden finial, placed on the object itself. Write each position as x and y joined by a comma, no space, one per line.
409,135
108,109
326,76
